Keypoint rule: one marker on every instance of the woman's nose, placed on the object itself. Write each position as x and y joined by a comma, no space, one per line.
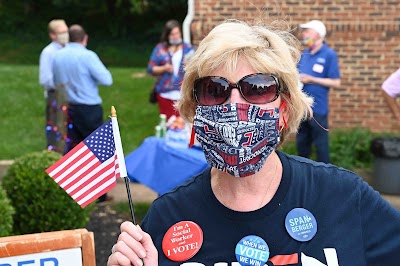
236,97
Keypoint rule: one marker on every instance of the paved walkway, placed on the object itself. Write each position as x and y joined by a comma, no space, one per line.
141,193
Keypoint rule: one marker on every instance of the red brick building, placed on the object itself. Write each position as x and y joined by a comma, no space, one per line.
365,34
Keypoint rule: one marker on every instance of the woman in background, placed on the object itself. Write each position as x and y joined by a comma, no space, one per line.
166,63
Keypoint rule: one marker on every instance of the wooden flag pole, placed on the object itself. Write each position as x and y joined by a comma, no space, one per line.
121,159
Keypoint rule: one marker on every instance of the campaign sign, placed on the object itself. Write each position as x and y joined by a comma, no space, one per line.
252,251
301,224
182,241
64,257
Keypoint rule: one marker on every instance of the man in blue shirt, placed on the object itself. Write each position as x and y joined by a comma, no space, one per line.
319,71
58,34
80,71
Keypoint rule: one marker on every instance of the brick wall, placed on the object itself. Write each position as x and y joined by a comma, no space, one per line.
365,34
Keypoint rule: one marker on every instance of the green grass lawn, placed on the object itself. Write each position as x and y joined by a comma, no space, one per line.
23,108
23,115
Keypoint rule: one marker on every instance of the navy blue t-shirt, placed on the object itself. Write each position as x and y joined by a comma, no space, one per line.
356,226
322,64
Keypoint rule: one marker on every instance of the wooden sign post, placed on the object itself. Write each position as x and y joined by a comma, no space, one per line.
60,248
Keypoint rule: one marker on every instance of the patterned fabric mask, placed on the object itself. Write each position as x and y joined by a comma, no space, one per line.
237,138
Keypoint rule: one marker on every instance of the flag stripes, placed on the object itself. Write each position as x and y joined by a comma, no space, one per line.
90,169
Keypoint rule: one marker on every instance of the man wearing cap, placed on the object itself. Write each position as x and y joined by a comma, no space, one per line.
319,71
391,91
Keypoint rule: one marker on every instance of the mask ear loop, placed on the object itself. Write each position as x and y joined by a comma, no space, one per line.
326,129
283,106
312,116
192,134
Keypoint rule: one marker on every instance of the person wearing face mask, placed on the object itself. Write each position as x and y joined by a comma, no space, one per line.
166,64
58,33
319,71
256,205
80,71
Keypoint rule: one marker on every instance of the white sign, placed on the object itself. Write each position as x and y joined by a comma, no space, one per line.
65,257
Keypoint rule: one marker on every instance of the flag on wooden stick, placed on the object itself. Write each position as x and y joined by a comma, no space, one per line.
90,169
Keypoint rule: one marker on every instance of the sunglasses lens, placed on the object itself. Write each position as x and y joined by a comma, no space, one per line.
259,89
211,91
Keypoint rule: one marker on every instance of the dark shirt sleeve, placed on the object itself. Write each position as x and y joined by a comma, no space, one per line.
381,228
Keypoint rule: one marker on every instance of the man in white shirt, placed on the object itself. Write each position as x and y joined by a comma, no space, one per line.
58,33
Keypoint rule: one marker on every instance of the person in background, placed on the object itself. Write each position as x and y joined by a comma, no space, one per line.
257,205
166,64
58,33
80,71
391,91
319,71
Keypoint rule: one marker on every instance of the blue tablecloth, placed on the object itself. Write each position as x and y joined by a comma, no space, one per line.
162,167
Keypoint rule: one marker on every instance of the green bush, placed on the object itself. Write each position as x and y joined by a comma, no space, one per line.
40,204
349,148
6,210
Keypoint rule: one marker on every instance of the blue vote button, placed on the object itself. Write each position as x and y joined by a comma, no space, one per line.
301,224
252,251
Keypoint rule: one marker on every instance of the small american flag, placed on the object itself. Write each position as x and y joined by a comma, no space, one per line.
90,169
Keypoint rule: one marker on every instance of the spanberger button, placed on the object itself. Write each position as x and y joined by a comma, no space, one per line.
301,224
182,241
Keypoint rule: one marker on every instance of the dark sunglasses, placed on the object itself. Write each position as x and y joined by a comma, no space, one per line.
255,88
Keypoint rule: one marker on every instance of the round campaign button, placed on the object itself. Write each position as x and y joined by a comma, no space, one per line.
182,241
252,250
301,224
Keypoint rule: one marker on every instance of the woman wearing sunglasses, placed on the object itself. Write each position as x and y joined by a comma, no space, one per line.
257,205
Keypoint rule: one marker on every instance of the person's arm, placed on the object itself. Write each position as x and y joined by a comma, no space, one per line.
391,90
326,82
155,67
332,77
393,104
134,247
158,70
98,71
46,70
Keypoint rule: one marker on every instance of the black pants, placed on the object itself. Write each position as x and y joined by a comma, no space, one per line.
83,120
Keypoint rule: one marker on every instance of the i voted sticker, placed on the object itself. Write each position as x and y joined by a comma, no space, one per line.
301,224
252,250
182,241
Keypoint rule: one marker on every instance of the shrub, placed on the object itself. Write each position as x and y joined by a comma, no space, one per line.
6,210
349,148
40,204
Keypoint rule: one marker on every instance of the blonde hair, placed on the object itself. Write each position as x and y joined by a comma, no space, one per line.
54,24
268,49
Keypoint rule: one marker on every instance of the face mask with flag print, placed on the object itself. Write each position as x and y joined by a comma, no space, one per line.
237,138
